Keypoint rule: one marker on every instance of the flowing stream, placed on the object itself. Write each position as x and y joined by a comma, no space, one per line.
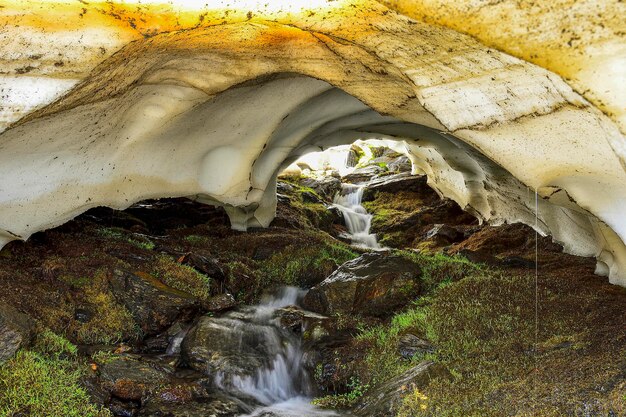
358,220
280,384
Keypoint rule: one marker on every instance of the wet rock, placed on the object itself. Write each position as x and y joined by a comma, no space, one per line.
220,302
326,186
124,408
161,342
297,320
374,284
385,399
445,232
400,164
364,174
16,331
83,315
207,266
215,346
411,345
154,305
132,379
353,158
217,406
401,182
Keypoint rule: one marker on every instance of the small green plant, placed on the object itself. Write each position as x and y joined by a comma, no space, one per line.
347,400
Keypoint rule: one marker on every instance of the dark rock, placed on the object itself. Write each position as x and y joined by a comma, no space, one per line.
401,182
297,320
131,378
353,158
97,394
445,232
220,302
16,331
154,305
478,256
411,345
124,408
217,406
207,266
310,197
385,399
83,315
161,342
286,188
518,262
364,174
374,284
400,164
215,346
326,187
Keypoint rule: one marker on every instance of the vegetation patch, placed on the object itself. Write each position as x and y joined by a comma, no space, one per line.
109,321
141,242
346,400
46,382
182,277
298,265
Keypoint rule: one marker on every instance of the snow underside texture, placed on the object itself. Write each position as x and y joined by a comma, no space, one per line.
215,113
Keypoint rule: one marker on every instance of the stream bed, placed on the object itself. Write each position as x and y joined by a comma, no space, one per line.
264,364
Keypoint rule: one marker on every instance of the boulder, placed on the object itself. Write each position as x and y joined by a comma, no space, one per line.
411,345
207,266
130,378
153,305
374,284
400,164
385,399
445,232
16,331
217,346
325,186
297,320
403,181
220,302
216,406
364,174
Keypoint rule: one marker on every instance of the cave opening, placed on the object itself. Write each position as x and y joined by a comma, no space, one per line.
173,245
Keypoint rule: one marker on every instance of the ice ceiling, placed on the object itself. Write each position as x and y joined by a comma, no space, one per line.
210,100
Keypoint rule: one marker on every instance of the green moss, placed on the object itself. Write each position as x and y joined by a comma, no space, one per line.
111,321
296,265
51,344
382,360
121,234
182,277
196,240
35,385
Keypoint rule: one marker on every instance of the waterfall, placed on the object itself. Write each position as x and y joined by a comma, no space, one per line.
281,385
358,220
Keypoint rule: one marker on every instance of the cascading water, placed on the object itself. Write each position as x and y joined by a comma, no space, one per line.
280,384
358,220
